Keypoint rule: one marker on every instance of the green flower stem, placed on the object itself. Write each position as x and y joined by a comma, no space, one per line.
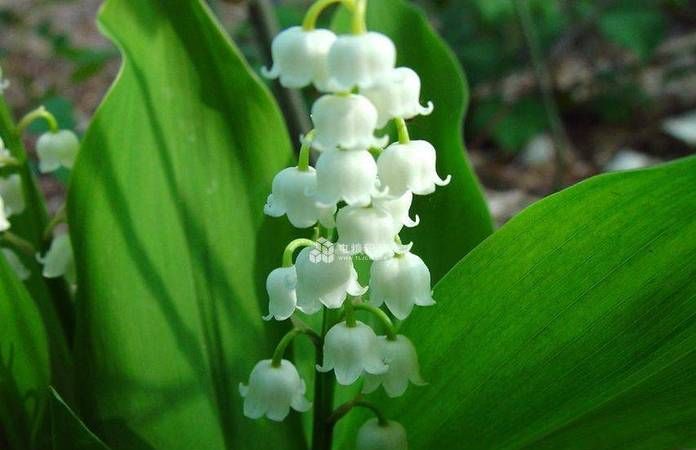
310,19
382,316
18,243
324,383
345,408
39,113
9,161
292,246
402,130
358,25
287,339
348,308
56,220
303,160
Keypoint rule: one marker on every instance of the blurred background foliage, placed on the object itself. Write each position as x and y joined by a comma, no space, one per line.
560,89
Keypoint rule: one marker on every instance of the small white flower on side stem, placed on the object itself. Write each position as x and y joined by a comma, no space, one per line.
282,298
16,264
360,59
289,197
325,278
56,149
12,192
58,260
400,282
345,121
368,230
373,435
343,175
351,351
4,223
299,57
409,167
272,391
401,357
397,95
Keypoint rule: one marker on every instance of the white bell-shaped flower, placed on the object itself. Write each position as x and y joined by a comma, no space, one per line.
289,196
401,357
360,59
300,57
12,192
400,282
282,298
56,150
375,436
325,276
398,208
345,121
349,176
58,260
351,351
272,391
368,230
397,94
409,167
4,223
16,264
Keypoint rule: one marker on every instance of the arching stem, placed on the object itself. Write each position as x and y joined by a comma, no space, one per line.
402,130
39,113
292,246
287,339
345,408
381,315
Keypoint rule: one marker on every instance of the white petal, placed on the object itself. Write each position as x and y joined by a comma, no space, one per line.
350,176
59,261
280,286
373,436
368,230
397,95
11,191
409,167
343,121
56,149
360,60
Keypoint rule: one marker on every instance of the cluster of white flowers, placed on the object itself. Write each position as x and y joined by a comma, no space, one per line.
362,188
55,148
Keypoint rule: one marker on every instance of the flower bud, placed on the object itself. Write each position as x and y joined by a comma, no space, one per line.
350,351
369,230
409,167
397,94
56,150
289,196
374,436
401,357
398,208
345,121
325,275
12,192
401,282
349,176
299,57
282,299
16,264
59,261
272,391
360,59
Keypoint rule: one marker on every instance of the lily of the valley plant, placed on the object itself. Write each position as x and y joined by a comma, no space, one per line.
357,197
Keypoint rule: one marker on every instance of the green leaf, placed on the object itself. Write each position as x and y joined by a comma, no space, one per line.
638,28
572,327
171,244
24,363
455,218
68,432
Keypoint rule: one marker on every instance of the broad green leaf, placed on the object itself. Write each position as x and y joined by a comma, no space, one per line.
637,27
24,363
68,432
51,296
572,327
455,218
171,244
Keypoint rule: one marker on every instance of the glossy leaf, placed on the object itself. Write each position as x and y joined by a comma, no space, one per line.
572,327
68,432
455,218
24,363
171,244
